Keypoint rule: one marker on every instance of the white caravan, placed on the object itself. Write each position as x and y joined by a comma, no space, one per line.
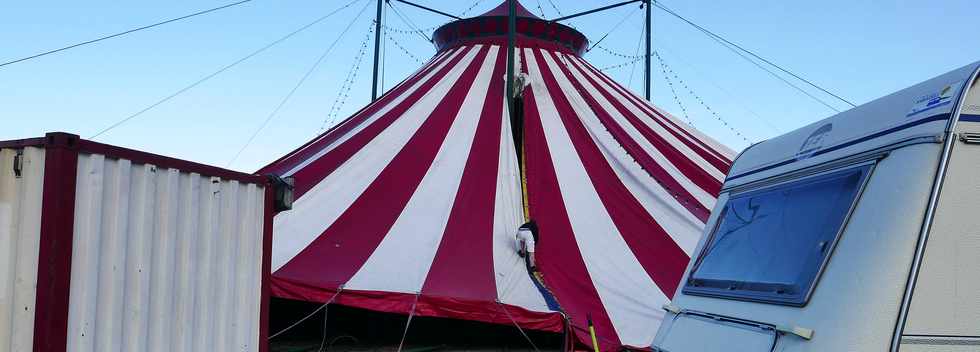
860,232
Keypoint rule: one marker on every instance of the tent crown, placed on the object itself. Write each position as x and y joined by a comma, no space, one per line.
501,10
491,28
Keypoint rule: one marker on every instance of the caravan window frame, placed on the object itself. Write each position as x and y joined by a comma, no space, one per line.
801,298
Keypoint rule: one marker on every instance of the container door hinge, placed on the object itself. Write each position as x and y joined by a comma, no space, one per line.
19,163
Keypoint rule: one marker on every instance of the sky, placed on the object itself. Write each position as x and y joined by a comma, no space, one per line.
858,49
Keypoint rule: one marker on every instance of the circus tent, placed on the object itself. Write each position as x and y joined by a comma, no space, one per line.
411,204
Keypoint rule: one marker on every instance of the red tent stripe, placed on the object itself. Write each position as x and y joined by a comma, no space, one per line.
463,265
307,150
709,153
350,240
413,203
655,169
684,164
316,171
652,247
303,152
311,148
558,253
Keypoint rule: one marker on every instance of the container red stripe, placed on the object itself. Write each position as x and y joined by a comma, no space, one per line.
55,249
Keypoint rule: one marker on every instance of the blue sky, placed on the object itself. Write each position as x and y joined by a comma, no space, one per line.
859,49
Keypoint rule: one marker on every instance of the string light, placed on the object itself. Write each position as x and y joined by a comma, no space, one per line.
696,97
341,99
402,48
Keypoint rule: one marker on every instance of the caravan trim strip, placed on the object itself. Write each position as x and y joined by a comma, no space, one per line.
852,142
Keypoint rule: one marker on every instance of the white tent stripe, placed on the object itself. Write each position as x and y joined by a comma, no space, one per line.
621,120
606,140
680,125
395,205
683,227
659,128
410,80
308,218
381,112
412,242
514,286
623,285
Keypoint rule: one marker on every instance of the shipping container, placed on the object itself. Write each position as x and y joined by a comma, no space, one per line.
105,248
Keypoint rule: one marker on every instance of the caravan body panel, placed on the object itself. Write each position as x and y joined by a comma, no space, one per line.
897,117
858,296
945,307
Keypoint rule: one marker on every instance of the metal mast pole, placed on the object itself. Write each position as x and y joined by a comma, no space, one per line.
511,30
377,52
649,89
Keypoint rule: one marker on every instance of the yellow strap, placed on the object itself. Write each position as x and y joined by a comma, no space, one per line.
595,343
527,210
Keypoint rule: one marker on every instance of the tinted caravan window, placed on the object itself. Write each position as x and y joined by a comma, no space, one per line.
770,244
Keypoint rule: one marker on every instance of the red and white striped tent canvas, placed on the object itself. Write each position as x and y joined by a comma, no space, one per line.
411,205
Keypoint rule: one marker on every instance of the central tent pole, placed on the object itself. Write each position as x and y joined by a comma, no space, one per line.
514,103
511,29
649,28
377,52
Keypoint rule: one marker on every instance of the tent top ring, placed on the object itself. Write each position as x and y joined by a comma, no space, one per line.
492,26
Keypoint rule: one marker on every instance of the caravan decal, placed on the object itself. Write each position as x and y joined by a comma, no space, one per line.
814,142
941,98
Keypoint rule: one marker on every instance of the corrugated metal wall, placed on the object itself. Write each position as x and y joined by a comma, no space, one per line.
163,260
20,230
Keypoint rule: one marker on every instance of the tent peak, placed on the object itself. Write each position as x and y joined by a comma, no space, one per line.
491,28
501,10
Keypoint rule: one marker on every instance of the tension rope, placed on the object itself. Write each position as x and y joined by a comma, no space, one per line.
733,46
409,22
411,314
110,36
322,307
518,326
298,84
222,69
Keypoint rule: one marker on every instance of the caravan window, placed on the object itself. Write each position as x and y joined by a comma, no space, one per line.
770,244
